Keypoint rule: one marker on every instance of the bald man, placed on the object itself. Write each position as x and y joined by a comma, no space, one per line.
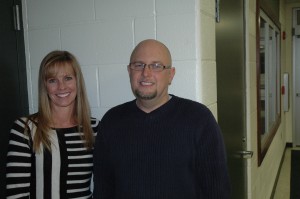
158,146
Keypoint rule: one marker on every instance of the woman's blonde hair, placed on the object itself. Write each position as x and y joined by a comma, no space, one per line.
82,109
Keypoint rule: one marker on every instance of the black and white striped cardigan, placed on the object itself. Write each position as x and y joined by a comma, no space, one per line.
66,172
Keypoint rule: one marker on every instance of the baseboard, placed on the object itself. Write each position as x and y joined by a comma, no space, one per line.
288,145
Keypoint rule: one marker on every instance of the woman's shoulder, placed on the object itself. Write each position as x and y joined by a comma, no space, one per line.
94,121
95,124
22,128
26,121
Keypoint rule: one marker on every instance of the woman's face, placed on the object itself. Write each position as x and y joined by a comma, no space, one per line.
62,88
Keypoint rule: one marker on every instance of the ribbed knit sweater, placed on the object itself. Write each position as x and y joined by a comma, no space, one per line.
173,152
66,172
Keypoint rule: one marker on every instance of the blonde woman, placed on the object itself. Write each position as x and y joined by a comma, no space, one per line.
50,153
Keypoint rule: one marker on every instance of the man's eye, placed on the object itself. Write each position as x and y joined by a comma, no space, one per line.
138,65
156,66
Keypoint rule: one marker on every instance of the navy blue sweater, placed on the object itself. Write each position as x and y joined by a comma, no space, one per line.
173,152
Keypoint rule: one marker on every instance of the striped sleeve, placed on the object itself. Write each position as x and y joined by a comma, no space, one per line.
18,165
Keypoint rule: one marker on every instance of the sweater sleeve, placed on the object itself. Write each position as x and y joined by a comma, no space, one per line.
103,175
211,163
18,165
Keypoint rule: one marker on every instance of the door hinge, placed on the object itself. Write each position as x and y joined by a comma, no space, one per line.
293,31
16,12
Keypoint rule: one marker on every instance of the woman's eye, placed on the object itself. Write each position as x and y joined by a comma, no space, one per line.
68,78
51,80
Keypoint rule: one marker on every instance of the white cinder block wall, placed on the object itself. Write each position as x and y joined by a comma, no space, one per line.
102,34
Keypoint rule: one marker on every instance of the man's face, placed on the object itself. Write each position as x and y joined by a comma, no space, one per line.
148,84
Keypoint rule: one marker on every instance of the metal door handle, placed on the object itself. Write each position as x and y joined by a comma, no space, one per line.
245,154
17,17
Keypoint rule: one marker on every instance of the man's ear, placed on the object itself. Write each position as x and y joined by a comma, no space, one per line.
172,72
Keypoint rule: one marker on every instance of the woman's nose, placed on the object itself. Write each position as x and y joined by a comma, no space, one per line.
61,85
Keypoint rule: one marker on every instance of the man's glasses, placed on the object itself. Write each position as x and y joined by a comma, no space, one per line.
155,67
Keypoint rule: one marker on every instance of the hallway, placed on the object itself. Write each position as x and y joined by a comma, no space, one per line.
282,189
